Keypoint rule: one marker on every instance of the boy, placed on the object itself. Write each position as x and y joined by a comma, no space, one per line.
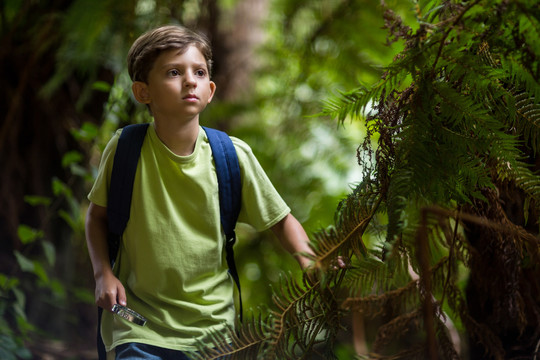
170,267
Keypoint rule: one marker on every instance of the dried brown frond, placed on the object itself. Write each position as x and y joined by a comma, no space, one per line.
373,305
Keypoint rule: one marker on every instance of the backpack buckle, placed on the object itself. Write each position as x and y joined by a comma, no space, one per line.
230,240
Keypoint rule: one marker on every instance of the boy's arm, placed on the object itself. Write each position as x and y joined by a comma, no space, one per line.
294,239
109,290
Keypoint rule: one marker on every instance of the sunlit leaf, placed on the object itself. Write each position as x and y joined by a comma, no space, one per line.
101,86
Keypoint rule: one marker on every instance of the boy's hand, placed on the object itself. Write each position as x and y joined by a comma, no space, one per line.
109,291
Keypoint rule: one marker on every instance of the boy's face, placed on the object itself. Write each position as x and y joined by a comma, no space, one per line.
178,85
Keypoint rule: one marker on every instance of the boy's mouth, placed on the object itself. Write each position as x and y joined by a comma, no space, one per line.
191,97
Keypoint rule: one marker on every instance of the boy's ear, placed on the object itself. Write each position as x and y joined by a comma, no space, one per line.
140,91
212,90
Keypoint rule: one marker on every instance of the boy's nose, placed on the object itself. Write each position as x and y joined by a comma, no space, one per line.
190,80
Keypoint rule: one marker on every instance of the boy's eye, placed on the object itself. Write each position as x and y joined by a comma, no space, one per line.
200,73
174,72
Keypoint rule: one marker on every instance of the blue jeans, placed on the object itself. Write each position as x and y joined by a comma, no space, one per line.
136,351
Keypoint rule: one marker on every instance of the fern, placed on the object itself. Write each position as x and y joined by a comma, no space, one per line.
352,217
355,103
457,117
303,318
528,121
367,275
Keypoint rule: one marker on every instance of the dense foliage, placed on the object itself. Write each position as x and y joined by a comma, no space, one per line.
450,190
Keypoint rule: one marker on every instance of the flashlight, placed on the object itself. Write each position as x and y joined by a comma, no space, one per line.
129,315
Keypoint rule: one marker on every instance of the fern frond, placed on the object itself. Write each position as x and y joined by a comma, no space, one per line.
460,110
484,335
353,216
246,342
366,275
446,348
355,103
398,325
305,317
515,94
395,300
527,122
516,74
400,188
352,103
524,179
413,321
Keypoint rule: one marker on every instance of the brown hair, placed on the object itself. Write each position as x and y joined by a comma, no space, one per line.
149,45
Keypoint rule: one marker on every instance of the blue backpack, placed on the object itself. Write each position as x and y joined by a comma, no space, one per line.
125,163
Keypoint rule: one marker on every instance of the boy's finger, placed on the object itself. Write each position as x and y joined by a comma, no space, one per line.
121,296
105,303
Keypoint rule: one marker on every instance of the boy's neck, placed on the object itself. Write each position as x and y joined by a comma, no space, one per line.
180,138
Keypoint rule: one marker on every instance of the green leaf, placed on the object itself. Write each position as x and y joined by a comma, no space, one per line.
35,200
101,86
7,347
71,157
58,289
60,188
28,235
40,272
79,171
7,283
69,219
88,132
32,266
23,353
49,251
25,263
20,303
24,325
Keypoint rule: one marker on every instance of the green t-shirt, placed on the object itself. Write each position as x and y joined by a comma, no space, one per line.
172,259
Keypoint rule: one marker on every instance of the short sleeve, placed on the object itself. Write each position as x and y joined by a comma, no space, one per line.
262,205
98,193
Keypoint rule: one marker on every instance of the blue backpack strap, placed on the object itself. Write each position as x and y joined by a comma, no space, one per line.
230,194
125,163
